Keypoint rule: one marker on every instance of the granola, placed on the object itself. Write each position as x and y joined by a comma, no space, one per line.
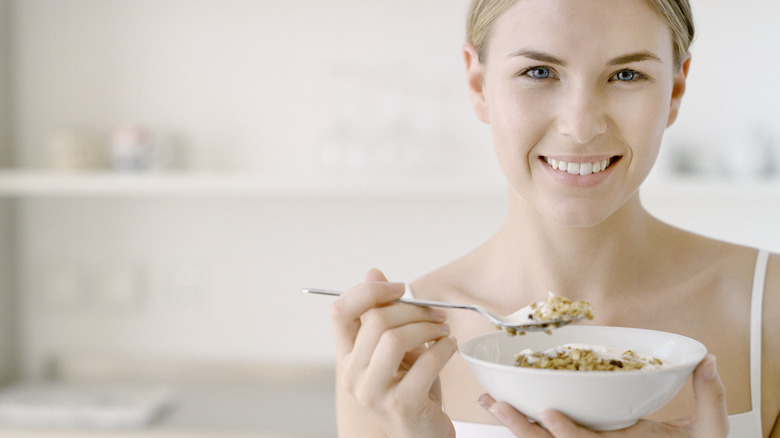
556,308
554,312
584,357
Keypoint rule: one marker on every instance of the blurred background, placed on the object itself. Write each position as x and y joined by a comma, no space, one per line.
173,172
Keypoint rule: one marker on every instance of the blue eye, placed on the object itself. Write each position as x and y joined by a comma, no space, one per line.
628,76
538,72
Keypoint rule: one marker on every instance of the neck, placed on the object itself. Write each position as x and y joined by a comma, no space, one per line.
590,262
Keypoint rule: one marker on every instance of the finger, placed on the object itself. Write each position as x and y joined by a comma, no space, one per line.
383,370
711,417
561,426
378,320
427,366
515,421
374,275
345,312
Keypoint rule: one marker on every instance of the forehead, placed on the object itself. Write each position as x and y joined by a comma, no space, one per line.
586,29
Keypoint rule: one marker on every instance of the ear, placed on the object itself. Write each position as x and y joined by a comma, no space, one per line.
476,82
678,89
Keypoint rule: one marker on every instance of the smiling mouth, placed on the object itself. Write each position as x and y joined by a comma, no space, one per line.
582,169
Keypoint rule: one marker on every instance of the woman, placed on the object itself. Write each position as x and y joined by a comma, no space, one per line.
577,94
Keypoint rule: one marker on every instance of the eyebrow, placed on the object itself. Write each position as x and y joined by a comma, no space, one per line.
643,55
635,57
538,56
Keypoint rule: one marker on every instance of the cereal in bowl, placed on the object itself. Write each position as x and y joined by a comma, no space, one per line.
585,357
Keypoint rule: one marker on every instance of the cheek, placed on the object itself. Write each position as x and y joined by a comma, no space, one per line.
642,123
517,120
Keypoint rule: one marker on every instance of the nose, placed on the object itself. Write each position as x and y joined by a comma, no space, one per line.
582,116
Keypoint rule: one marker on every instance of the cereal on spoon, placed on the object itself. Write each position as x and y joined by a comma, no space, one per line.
559,309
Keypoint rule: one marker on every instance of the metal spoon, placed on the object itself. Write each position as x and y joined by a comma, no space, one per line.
519,322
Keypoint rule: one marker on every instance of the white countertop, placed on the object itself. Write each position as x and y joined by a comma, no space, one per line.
207,401
214,411
37,433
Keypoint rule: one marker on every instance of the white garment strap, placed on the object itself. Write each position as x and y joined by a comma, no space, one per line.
756,308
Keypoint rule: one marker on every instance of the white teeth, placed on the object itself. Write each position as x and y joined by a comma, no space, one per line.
582,169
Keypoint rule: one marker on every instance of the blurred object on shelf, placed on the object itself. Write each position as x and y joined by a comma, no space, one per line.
683,161
130,148
397,145
386,125
751,155
688,159
76,150
135,148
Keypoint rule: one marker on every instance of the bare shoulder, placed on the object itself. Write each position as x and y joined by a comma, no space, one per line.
772,290
463,280
772,286
771,346
730,265
771,311
446,283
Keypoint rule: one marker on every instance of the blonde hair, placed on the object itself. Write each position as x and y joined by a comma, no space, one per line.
676,13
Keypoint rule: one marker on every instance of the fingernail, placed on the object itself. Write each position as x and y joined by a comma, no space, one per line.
440,314
398,288
710,370
500,416
548,420
485,401
445,329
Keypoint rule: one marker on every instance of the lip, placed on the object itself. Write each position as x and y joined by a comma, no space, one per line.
580,181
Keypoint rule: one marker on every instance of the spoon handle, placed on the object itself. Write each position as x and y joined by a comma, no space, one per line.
426,303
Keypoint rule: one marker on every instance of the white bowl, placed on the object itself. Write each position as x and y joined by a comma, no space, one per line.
599,400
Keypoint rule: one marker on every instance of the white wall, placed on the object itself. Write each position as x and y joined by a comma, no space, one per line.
291,86
729,95
246,84
221,278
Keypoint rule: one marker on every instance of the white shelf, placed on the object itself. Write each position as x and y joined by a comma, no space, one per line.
41,183
31,184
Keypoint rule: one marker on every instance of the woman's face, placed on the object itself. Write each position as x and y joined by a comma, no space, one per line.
578,94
